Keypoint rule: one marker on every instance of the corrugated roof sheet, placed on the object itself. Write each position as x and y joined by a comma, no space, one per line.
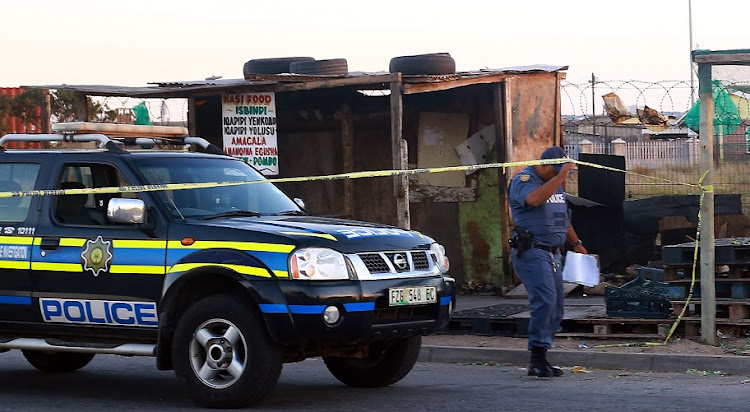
288,81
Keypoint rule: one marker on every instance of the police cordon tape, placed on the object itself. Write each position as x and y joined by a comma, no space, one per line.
341,176
386,173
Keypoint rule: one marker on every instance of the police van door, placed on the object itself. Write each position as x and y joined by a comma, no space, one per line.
17,226
89,270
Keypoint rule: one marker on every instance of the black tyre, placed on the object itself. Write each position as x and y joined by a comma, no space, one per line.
223,352
386,364
434,63
321,67
57,362
273,65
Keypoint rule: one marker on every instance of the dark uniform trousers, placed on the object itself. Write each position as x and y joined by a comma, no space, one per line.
541,273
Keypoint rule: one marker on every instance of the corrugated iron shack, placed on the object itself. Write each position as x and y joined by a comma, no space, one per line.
381,121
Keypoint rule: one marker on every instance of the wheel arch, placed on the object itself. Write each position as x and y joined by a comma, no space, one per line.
189,288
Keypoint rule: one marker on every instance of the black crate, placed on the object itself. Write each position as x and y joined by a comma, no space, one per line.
621,307
639,298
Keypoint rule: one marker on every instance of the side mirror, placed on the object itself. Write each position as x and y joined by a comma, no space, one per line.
132,211
300,203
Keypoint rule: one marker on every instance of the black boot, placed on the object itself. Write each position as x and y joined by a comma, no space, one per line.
538,365
556,372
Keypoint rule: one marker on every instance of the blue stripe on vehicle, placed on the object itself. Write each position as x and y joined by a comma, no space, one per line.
307,309
272,308
151,257
15,300
445,300
359,307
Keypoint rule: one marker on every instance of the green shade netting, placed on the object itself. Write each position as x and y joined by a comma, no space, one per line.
141,114
726,115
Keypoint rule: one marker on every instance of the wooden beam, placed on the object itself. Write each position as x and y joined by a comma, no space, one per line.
723,58
347,145
707,243
82,107
442,194
192,129
558,113
400,183
499,93
412,88
46,112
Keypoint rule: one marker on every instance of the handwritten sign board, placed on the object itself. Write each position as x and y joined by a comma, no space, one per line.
249,129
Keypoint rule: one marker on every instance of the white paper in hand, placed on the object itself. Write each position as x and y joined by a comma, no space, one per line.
581,269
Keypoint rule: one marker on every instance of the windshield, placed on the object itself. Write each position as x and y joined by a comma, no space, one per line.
257,198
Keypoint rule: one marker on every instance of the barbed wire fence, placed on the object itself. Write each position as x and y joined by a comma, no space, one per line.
655,122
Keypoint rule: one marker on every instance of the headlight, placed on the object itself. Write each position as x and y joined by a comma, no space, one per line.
318,264
438,254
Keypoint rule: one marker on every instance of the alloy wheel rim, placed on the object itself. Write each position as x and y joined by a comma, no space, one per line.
218,353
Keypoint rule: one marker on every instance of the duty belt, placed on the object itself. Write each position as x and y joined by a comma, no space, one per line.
550,249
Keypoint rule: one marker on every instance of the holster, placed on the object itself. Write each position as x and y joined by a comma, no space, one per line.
522,240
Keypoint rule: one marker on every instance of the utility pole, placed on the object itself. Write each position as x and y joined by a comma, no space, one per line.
593,104
692,65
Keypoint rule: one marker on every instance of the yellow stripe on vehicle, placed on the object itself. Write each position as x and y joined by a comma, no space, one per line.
15,264
281,273
75,242
57,267
245,270
209,244
138,269
16,240
321,235
140,244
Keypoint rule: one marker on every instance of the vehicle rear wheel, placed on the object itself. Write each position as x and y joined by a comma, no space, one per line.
223,352
386,364
57,362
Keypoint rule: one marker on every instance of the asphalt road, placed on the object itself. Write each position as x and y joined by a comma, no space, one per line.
115,383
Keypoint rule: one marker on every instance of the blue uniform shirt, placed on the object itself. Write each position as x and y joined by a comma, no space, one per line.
548,222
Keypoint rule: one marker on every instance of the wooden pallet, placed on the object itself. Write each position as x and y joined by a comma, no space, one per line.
735,309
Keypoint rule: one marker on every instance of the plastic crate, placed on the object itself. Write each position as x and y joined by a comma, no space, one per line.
639,298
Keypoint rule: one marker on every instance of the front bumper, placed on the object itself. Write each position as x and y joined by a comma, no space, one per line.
365,313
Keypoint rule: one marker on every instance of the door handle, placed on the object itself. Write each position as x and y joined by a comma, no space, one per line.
50,243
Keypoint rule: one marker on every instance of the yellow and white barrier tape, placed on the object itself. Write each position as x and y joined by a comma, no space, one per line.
386,173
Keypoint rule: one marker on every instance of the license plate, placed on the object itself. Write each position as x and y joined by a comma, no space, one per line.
418,295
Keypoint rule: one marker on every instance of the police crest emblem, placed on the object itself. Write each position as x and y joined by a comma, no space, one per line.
525,178
96,255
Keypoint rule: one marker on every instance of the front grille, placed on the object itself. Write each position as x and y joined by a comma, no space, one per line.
374,263
400,261
420,260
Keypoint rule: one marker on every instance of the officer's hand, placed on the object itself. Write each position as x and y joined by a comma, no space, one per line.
580,249
567,168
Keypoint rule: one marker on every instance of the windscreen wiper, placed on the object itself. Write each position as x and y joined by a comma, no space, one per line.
232,213
290,213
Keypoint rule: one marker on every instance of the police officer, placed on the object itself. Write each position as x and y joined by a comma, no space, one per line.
542,226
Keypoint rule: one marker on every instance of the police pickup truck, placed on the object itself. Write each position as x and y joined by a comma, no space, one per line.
195,259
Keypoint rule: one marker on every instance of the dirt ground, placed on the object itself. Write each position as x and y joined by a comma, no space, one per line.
724,346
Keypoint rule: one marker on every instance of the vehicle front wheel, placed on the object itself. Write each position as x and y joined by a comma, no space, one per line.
223,352
57,362
385,364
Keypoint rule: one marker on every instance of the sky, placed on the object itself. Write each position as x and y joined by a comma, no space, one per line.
134,42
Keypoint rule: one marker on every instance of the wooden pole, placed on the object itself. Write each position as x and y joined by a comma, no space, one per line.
707,258
347,144
82,107
400,182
